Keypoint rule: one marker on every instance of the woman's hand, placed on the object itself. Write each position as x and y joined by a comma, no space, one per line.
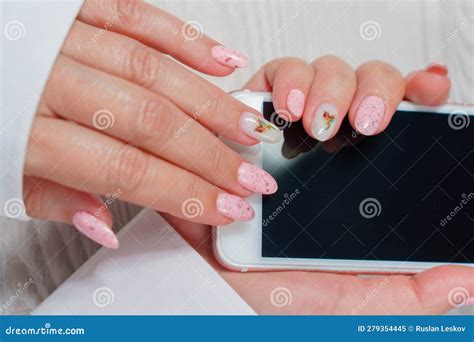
119,117
324,92
329,84
316,293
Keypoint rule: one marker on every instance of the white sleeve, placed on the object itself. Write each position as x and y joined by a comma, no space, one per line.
31,37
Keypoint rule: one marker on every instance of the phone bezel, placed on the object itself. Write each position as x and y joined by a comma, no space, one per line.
238,246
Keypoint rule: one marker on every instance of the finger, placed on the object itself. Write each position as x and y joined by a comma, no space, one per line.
133,61
428,87
51,201
84,159
380,89
330,97
151,122
290,80
431,292
164,32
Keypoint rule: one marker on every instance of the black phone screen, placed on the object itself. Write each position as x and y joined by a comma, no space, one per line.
406,194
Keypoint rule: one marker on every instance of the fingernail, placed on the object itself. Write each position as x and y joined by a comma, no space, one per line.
369,115
228,57
295,102
234,207
255,179
259,128
437,68
95,229
470,301
324,121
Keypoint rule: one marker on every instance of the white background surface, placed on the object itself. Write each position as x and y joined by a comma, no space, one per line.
412,34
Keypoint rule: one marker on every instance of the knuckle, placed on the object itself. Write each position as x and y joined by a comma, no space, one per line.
219,159
328,60
216,104
193,188
143,65
379,67
130,11
154,123
128,168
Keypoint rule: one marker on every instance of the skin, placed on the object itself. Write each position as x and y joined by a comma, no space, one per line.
127,73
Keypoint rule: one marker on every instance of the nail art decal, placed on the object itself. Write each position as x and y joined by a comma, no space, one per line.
255,179
259,128
295,102
95,229
234,207
369,115
324,122
228,57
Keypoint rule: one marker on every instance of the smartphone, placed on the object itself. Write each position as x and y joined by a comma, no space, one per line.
398,202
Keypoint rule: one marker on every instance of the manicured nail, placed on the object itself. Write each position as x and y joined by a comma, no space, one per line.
95,229
470,301
234,207
255,179
259,128
437,68
228,57
295,102
369,115
324,122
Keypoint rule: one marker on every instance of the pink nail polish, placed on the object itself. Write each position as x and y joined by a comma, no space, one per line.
234,207
255,179
95,229
369,115
295,102
470,301
228,57
437,68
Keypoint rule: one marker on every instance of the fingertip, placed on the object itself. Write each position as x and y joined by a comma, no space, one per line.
427,88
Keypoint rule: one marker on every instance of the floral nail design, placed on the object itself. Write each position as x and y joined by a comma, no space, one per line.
259,128
324,122
328,119
263,126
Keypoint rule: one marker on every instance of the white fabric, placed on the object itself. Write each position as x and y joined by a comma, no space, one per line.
412,34
154,272
33,33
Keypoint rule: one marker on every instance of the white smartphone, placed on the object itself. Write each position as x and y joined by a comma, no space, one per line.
398,202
